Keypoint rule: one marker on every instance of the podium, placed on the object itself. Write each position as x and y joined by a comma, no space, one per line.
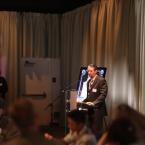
73,100
70,100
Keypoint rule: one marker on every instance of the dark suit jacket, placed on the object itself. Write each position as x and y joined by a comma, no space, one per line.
3,87
97,94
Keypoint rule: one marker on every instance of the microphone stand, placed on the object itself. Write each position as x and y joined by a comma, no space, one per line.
51,106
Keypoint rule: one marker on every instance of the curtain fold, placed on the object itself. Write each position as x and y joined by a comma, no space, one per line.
74,26
9,51
140,49
41,35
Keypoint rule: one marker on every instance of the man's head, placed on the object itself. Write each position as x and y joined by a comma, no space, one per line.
91,70
76,120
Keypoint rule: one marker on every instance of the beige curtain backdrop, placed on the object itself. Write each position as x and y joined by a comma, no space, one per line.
104,33
74,31
40,35
9,51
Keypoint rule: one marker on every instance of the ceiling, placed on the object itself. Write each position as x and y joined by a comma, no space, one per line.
46,6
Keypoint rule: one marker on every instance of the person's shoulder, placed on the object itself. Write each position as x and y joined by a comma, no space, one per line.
87,134
100,78
88,138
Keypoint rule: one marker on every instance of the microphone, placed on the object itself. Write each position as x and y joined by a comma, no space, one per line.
83,72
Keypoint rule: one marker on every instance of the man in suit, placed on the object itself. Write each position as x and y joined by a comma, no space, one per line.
96,93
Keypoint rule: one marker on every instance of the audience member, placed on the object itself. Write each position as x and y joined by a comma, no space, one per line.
23,115
79,133
8,129
127,127
3,87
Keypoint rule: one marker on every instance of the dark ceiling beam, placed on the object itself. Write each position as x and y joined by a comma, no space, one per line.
46,6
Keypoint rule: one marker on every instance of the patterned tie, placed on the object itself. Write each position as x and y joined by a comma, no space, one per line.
90,83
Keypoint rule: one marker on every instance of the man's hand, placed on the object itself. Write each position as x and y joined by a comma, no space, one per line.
90,103
48,136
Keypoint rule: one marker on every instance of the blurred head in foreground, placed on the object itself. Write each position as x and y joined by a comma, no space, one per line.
23,114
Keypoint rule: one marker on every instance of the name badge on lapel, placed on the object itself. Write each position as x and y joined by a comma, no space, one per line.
94,90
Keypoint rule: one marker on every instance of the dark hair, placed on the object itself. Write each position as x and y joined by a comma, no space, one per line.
2,103
93,66
78,116
122,131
